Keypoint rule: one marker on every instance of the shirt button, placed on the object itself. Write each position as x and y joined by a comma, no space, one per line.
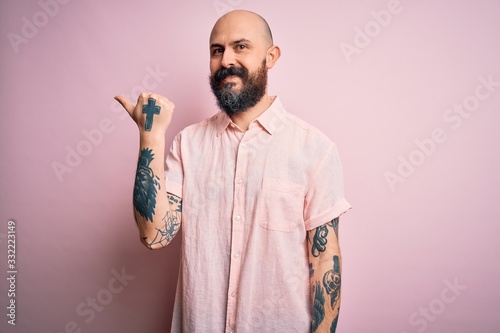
231,331
243,145
233,294
239,181
237,218
236,255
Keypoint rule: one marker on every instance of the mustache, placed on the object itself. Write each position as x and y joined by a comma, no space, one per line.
222,73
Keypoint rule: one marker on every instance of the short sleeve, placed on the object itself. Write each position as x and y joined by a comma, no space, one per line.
174,174
324,198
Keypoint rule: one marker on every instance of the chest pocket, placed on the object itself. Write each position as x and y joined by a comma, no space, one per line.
281,205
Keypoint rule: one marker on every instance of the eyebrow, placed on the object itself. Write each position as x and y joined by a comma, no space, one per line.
239,41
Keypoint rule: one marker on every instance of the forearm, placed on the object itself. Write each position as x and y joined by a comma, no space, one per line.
325,276
155,216
157,213
325,287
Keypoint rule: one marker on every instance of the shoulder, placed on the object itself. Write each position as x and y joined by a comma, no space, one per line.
305,131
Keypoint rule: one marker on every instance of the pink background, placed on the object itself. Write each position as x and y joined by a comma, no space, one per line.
404,243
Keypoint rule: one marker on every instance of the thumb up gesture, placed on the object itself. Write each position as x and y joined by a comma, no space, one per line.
152,113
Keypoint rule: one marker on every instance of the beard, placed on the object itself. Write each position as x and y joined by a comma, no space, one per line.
252,90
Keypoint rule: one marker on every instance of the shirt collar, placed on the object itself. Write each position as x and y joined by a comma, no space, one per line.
269,119
223,122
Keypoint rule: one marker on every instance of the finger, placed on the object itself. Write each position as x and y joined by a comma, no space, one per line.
143,98
163,100
126,104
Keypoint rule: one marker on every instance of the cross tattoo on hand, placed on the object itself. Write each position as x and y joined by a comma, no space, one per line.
150,110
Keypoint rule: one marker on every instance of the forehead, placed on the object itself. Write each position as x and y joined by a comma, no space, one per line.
230,29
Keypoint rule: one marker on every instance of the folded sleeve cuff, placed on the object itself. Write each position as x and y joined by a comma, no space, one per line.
338,209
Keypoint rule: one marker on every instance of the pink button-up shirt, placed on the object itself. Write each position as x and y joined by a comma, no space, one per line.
248,199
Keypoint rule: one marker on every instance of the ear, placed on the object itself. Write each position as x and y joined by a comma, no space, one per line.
273,54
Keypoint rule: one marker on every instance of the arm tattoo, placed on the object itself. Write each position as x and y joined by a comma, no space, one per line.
331,281
333,328
175,202
319,240
320,237
172,223
146,185
330,284
150,110
318,305
335,225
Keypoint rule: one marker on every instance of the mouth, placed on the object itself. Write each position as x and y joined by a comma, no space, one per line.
231,82
231,79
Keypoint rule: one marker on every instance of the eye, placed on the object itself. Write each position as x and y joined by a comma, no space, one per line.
217,51
241,47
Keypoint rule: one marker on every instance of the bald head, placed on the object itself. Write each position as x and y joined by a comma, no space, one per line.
241,53
243,22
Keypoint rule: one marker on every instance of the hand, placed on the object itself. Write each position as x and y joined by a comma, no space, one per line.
152,113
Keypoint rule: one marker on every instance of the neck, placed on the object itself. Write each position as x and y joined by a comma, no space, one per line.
243,119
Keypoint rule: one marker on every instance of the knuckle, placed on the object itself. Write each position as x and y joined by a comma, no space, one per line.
160,100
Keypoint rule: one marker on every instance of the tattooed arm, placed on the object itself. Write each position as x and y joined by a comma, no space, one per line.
324,265
157,212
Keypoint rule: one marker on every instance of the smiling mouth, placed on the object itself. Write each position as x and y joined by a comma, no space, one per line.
230,81
231,78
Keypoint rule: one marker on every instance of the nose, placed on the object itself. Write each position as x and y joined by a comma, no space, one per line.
228,59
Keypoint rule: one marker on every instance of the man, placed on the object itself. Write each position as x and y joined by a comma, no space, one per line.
260,194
